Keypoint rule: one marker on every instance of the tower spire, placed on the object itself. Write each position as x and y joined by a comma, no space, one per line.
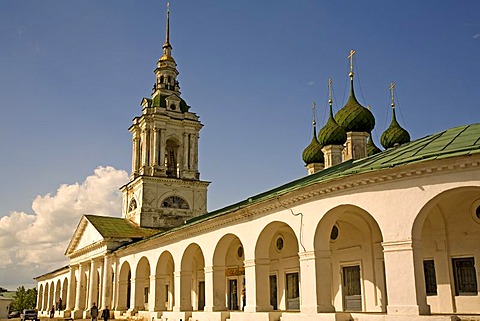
167,48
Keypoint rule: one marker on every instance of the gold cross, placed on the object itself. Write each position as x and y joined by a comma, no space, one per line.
313,111
330,91
350,56
392,85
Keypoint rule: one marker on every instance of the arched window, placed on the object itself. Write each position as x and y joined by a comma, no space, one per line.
175,202
171,157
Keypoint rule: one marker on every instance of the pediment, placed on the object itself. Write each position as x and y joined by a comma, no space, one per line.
85,235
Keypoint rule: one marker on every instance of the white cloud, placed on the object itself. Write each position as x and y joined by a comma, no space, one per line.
476,36
310,83
33,244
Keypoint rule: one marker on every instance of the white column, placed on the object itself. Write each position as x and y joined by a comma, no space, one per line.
91,279
308,281
405,287
323,273
106,282
177,292
135,153
79,306
163,142
155,149
257,285
153,293
70,304
209,290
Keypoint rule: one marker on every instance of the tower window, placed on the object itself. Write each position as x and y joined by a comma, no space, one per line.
161,79
173,107
175,202
171,158
464,276
133,205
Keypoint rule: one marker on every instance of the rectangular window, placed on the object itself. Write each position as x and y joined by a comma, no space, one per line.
146,291
464,275
430,277
293,293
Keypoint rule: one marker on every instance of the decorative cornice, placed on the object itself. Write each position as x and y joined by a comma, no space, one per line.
314,191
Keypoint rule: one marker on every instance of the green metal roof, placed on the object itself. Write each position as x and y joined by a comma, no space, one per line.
116,227
454,142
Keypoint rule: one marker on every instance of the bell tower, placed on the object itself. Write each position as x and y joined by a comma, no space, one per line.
165,187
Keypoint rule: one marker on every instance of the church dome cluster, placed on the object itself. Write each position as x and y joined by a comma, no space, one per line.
349,131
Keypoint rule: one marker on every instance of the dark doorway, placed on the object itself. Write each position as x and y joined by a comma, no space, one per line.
232,295
273,291
352,290
201,295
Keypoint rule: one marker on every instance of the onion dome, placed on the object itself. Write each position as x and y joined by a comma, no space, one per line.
372,149
394,135
313,152
332,133
353,116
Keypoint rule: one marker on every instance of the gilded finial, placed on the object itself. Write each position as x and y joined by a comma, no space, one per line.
330,100
314,122
392,85
350,57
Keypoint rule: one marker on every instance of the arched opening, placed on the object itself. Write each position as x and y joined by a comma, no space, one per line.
51,298
192,279
172,159
142,285
229,292
45,306
277,268
164,285
124,287
58,291
349,262
40,298
63,296
446,233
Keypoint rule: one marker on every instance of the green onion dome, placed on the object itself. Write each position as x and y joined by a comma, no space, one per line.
394,135
332,133
313,152
372,149
353,116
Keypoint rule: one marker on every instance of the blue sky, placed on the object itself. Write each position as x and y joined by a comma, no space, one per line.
72,75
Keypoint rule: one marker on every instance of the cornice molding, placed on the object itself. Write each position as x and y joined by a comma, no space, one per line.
314,191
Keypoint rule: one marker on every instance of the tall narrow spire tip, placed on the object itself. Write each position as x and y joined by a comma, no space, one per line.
392,86
350,57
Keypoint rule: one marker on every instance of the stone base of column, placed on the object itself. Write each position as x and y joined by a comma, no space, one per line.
77,314
213,309
210,316
177,315
258,308
256,316
408,310
338,316
307,309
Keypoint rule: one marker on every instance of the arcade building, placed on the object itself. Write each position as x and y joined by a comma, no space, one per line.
366,235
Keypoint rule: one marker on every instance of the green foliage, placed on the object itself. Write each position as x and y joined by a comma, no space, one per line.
24,299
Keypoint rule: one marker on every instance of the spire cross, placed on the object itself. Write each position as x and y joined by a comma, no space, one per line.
314,122
392,85
330,91
350,56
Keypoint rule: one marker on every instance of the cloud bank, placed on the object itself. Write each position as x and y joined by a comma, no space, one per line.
33,244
